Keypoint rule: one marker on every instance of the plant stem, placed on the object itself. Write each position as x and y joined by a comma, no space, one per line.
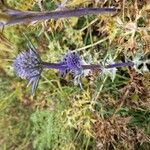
92,66
25,17
117,65
53,65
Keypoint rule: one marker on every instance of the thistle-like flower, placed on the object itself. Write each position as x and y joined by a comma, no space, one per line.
28,66
72,62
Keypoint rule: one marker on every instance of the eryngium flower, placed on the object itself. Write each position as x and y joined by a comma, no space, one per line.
28,66
71,62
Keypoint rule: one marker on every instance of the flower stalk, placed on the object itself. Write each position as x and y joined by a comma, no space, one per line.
91,66
10,16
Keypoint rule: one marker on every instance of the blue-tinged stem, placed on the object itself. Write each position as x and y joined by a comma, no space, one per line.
117,65
92,66
18,16
53,65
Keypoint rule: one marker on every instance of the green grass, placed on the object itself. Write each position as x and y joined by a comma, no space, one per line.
106,114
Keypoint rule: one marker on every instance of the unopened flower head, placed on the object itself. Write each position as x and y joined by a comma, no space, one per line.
28,66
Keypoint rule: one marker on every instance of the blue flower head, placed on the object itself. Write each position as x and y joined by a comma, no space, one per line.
28,66
72,62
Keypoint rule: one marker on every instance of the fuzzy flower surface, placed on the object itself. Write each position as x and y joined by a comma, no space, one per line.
28,66
72,62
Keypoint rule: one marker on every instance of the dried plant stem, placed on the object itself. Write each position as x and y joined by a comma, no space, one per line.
91,45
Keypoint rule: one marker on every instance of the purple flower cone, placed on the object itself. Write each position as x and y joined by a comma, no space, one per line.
28,66
72,62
